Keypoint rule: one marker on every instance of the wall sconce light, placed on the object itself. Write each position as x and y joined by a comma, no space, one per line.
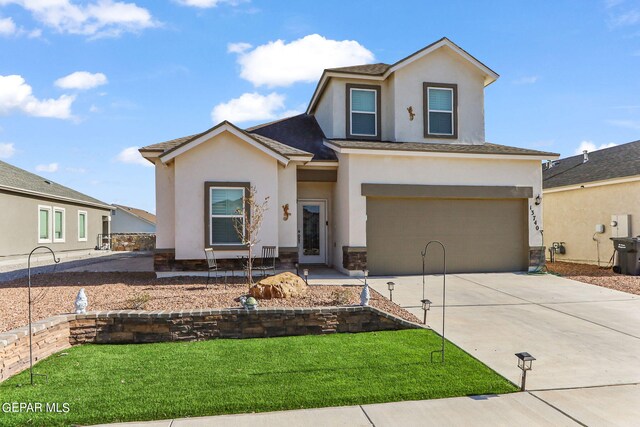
391,285
525,361
426,306
305,273
538,200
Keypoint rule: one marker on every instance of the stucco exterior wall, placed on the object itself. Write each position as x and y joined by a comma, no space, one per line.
571,216
440,66
225,158
322,191
19,224
165,206
425,170
341,211
124,222
287,195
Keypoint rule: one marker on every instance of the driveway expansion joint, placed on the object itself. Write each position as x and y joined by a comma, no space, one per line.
558,409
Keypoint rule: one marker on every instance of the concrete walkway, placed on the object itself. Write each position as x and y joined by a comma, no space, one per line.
586,340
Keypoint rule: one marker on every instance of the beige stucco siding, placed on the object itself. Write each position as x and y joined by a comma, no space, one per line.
19,224
287,195
425,170
165,205
225,158
441,66
571,217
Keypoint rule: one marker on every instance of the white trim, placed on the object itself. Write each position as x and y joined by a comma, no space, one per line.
49,239
64,219
54,197
321,164
612,181
86,226
300,158
222,127
211,216
383,152
375,112
429,110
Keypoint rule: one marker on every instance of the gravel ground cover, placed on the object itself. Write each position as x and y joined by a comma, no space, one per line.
55,294
595,275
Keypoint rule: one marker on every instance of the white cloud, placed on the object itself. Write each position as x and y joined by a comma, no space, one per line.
131,155
94,109
629,124
7,27
97,19
81,80
16,94
51,167
281,64
7,150
625,19
590,146
526,80
238,47
248,107
76,170
206,4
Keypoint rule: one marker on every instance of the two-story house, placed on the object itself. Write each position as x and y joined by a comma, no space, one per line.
385,159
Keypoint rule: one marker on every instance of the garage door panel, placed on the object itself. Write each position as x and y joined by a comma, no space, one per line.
480,235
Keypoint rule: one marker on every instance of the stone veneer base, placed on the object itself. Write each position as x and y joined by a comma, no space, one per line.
132,327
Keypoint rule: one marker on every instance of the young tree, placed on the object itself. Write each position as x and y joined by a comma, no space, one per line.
248,226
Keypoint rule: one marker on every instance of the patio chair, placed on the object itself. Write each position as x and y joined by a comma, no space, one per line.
212,265
267,261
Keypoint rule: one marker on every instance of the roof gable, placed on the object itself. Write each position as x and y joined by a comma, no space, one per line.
138,213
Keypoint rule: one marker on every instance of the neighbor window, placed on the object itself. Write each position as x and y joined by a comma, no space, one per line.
440,110
44,224
363,116
58,224
226,215
82,226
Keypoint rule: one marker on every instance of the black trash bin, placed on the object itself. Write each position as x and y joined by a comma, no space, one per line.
628,249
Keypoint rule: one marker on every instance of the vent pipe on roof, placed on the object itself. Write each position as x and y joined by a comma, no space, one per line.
585,157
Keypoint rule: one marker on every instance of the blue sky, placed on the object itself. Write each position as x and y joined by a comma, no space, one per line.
82,82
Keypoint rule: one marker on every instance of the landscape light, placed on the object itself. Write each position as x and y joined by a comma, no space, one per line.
426,306
305,273
391,285
525,362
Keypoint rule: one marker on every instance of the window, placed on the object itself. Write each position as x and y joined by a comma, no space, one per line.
225,209
82,226
440,106
363,105
44,224
58,225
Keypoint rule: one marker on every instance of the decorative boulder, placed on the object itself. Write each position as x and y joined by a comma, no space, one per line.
283,285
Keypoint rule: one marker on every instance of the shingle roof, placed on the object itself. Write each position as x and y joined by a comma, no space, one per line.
19,179
486,148
301,131
167,145
615,162
147,216
370,69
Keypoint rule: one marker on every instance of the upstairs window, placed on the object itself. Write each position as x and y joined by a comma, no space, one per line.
363,115
440,106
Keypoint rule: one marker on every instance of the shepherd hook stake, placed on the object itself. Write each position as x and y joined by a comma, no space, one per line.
444,287
55,260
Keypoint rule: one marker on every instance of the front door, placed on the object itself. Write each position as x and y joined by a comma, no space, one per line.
312,232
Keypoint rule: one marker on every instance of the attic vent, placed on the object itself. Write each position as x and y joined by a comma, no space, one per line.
47,181
585,156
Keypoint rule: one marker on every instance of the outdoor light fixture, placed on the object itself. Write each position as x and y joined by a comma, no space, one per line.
525,360
426,306
305,273
538,200
391,285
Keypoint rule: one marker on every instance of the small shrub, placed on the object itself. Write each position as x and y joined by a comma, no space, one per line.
138,301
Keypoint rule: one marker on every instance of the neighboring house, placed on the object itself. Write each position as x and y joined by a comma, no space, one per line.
37,211
590,198
125,219
385,159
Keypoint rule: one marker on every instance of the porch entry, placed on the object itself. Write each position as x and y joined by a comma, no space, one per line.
312,231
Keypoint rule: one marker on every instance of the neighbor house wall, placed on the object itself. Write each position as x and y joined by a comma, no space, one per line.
19,224
225,158
124,222
356,169
571,216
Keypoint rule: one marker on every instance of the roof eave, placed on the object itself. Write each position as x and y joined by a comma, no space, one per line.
55,197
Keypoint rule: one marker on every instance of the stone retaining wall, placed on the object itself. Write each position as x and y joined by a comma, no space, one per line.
133,241
131,326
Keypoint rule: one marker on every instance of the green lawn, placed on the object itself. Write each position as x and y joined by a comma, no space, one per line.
110,383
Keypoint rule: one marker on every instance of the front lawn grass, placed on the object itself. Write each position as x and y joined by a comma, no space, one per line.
112,383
